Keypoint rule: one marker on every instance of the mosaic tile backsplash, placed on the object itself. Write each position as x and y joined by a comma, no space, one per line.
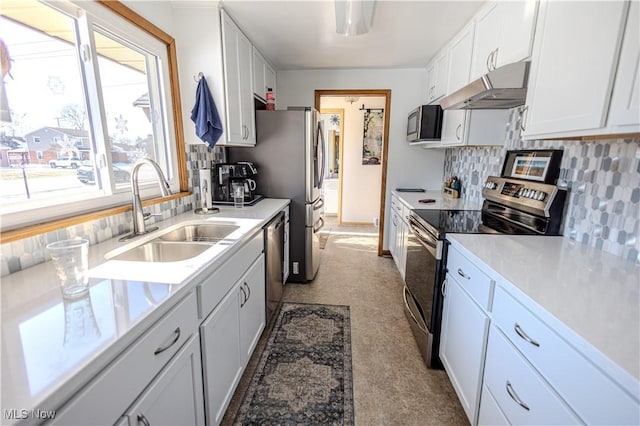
22,254
602,177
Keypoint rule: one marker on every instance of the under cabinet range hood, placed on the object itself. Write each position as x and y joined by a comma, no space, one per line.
502,88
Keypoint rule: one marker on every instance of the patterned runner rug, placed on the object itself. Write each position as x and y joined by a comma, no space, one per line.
304,376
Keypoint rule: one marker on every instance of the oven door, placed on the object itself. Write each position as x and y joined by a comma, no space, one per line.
422,277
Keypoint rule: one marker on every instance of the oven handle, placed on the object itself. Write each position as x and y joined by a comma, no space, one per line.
423,236
406,304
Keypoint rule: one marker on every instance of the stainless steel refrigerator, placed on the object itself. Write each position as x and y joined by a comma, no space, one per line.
289,157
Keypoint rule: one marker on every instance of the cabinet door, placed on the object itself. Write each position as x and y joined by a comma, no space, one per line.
490,413
625,101
251,298
221,355
431,81
175,395
573,67
393,233
453,127
518,23
259,84
485,41
460,59
462,345
238,79
441,74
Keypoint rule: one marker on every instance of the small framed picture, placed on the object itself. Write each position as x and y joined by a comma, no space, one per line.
531,168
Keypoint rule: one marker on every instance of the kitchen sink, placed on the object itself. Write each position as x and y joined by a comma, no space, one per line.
163,251
208,233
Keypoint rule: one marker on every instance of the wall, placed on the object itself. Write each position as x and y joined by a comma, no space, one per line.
357,205
602,176
407,165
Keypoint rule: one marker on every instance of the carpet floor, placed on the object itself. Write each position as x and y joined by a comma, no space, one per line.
304,375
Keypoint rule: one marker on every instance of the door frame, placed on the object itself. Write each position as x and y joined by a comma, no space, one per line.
385,143
340,112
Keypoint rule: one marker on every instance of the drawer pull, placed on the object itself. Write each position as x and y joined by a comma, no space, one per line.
515,397
244,296
248,291
524,335
142,419
162,349
462,274
443,288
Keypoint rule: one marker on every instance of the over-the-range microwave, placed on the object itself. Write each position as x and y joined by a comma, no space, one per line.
424,123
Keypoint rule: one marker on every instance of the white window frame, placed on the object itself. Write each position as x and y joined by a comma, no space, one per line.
92,15
39,155
36,139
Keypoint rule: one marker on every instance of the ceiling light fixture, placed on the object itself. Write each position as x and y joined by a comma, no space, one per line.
351,99
353,17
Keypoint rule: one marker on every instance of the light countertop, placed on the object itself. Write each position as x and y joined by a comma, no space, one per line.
589,292
52,346
411,200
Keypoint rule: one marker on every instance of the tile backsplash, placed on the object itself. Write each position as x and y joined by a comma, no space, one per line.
602,177
21,254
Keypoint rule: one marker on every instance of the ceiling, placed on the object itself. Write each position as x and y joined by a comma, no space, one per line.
294,35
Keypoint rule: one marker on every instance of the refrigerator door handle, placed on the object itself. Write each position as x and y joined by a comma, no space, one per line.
319,204
318,227
321,154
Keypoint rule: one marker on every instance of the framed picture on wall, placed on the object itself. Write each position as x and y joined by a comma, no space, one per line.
372,137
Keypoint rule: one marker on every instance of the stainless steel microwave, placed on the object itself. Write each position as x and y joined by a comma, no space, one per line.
424,123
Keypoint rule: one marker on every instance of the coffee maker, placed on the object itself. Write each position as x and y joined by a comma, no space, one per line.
228,176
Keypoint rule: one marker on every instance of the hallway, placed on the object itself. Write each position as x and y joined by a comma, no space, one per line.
392,386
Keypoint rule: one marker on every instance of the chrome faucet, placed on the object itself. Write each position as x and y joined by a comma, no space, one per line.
138,215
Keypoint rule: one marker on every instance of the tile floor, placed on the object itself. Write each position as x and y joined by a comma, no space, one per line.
392,386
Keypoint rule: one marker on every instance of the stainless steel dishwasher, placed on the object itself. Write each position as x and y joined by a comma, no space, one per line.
274,252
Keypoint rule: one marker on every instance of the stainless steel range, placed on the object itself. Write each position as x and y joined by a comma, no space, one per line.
523,200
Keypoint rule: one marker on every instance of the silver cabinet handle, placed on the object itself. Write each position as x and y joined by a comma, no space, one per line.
244,296
523,117
248,290
462,274
515,397
175,339
458,131
494,59
489,60
524,335
142,419
443,288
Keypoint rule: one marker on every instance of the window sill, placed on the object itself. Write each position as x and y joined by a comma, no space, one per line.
41,228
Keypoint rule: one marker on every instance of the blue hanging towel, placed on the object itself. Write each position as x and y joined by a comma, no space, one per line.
205,115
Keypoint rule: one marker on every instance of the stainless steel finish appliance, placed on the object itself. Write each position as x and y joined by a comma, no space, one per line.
274,253
424,123
227,176
501,88
289,154
531,205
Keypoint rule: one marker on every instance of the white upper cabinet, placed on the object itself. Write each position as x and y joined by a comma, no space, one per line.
625,102
264,77
503,34
437,74
573,68
237,59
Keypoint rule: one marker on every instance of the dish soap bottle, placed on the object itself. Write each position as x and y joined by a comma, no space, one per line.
271,100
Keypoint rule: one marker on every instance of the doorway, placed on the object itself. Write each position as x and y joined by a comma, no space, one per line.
371,149
334,130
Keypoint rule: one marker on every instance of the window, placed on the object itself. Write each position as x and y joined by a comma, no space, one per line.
91,85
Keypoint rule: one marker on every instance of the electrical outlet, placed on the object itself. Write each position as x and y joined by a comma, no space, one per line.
296,268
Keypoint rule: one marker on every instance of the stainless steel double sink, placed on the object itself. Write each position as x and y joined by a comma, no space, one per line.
179,244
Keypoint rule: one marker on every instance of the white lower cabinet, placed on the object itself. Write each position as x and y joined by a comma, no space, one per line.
228,337
399,234
462,344
520,392
175,395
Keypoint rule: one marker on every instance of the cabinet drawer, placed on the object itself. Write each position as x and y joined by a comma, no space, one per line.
474,281
106,398
522,395
212,290
593,396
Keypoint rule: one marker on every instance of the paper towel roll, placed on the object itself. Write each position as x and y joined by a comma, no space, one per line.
205,188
